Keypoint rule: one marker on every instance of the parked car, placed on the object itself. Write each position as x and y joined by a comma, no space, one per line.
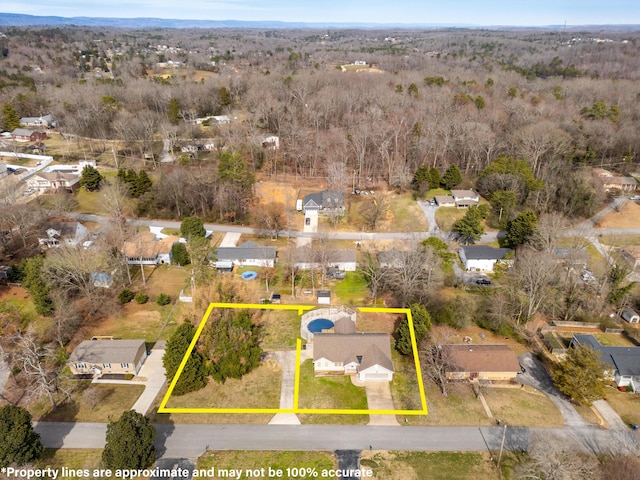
483,281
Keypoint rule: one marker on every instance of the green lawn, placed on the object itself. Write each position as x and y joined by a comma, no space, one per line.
619,240
447,216
352,290
335,392
404,387
252,460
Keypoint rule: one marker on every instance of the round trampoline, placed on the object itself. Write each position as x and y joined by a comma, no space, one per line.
320,324
249,275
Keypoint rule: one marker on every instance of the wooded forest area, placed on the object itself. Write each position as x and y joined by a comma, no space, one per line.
353,107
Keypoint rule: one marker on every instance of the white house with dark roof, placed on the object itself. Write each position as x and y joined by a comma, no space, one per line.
247,254
481,257
325,201
307,258
45,121
465,198
365,355
99,357
623,362
53,181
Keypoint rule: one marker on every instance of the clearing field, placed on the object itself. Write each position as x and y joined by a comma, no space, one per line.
429,465
258,389
627,217
335,392
269,191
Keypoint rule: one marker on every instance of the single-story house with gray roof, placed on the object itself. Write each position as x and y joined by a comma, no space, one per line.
367,355
481,257
98,357
307,258
25,135
46,121
623,362
324,202
248,254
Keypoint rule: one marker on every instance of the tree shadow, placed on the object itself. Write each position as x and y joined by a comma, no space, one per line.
163,431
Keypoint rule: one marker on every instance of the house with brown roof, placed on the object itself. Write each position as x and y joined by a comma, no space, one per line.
365,355
484,362
99,357
147,249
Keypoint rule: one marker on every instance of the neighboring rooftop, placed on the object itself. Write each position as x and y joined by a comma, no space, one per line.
626,360
106,351
484,252
482,358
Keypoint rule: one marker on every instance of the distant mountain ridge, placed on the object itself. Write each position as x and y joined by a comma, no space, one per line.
23,20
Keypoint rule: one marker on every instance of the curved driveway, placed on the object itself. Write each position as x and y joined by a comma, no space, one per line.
537,377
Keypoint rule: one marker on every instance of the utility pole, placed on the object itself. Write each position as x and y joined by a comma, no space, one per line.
504,435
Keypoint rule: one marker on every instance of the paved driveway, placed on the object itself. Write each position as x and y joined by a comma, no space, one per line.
379,398
537,377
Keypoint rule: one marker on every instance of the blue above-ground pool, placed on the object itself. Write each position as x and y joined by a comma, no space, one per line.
249,275
319,324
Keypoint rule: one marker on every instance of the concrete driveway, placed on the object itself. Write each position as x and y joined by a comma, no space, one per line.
379,398
537,377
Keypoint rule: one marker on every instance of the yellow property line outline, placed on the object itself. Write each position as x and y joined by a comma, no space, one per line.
296,389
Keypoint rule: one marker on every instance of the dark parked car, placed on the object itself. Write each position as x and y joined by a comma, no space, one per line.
483,281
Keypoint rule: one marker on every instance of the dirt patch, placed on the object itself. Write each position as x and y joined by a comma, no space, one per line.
377,322
480,336
276,192
627,217
7,292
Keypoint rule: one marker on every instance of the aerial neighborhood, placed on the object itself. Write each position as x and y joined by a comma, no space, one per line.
260,229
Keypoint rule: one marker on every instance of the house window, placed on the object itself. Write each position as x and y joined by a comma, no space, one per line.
81,365
339,364
106,365
124,365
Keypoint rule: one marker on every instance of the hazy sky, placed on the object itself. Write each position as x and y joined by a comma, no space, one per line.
480,12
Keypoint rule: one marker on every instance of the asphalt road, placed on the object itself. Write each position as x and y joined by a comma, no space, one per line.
189,441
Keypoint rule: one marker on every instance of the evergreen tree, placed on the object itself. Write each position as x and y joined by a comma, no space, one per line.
193,376
36,286
470,228
179,254
580,375
520,229
19,442
129,442
232,345
434,178
10,118
421,328
192,227
90,178
173,111
451,177
142,184
421,182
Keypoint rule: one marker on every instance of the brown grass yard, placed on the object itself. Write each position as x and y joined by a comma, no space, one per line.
619,240
71,458
626,404
517,407
113,400
258,389
429,465
281,328
627,217
446,217
377,322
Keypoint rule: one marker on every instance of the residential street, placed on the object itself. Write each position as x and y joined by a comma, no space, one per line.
188,441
